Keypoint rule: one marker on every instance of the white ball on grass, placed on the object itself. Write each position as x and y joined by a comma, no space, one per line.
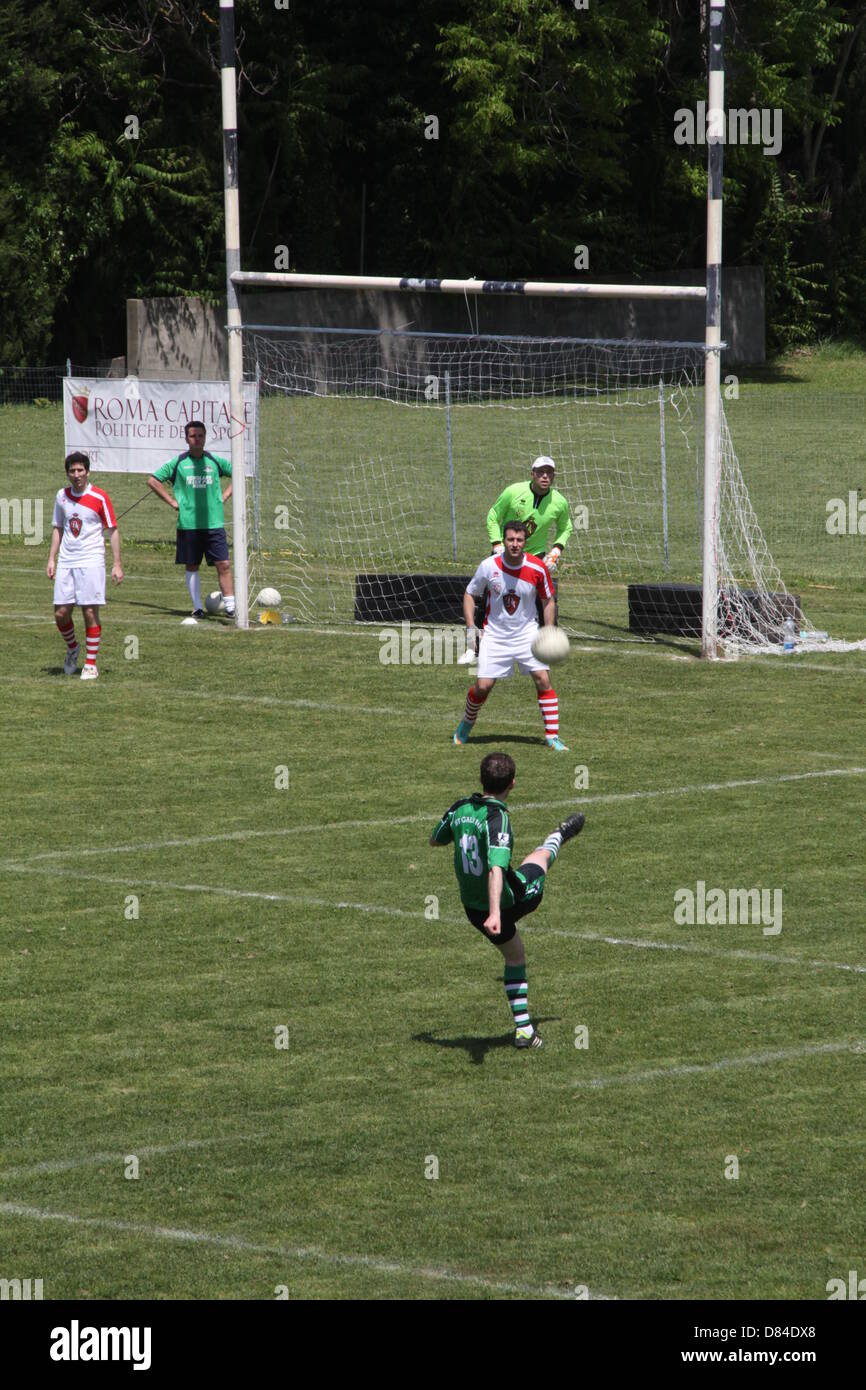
214,602
550,646
269,598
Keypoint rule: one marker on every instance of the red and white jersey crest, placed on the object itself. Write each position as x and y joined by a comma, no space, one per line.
511,593
81,516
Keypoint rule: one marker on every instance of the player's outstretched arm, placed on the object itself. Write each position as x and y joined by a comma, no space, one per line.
548,609
443,834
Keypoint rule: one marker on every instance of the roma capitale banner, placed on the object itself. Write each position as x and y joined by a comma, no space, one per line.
132,426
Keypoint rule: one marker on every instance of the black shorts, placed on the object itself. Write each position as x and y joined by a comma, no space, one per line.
192,545
527,885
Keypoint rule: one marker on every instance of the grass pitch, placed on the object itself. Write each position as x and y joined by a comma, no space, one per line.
168,911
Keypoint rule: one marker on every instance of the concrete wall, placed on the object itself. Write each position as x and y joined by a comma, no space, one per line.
176,340
185,338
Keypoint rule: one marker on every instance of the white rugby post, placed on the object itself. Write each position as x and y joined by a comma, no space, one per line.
233,322
712,356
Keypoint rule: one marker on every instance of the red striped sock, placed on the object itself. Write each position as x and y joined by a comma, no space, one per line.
548,703
474,700
92,634
66,628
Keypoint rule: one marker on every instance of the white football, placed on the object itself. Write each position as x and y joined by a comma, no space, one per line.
269,598
214,602
550,646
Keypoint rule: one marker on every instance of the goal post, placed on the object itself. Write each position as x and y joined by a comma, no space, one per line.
521,384
720,588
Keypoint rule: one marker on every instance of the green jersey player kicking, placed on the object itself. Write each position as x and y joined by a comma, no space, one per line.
494,895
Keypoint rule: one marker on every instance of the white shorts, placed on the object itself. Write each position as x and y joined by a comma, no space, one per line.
84,586
496,657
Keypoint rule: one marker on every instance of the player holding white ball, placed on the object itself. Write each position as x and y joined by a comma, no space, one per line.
512,580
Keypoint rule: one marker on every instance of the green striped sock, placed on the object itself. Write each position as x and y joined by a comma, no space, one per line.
516,989
553,844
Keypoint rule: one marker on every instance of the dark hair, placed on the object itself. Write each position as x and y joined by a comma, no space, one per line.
497,772
514,526
77,457
193,425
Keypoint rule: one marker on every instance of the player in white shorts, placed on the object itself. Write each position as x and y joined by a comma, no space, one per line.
81,513
512,580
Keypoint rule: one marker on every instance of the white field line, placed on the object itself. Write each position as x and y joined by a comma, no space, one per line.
380,910
756,1059
375,1263
224,696
423,817
65,1165
766,956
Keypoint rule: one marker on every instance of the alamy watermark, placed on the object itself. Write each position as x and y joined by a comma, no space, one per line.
718,907
413,645
22,516
21,1290
846,519
738,126
855,1288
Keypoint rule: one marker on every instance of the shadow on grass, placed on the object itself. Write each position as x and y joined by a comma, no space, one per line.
476,1048
157,608
503,738
680,642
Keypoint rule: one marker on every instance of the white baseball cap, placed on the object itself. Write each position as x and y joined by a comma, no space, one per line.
544,462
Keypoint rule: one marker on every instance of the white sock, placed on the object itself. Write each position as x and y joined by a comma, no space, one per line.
193,583
229,602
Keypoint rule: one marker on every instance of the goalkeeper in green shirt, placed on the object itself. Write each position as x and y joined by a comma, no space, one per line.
494,895
540,506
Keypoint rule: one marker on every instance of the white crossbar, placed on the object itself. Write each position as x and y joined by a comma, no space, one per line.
545,288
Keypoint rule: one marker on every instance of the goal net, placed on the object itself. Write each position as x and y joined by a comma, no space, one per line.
380,454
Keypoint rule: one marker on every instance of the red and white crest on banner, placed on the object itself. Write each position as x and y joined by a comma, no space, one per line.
75,525
511,602
79,407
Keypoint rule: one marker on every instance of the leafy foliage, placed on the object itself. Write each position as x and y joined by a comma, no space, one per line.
555,127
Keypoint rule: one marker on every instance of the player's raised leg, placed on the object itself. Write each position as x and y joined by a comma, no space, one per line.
546,854
533,870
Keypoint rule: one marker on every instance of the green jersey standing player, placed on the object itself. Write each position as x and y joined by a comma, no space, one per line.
195,477
494,895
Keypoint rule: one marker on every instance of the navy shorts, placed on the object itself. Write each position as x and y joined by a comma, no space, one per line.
527,885
192,545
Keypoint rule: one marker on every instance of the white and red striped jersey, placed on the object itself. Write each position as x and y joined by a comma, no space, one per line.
81,516
511,593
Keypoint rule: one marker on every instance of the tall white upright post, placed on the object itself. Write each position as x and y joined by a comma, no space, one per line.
233,324
716,126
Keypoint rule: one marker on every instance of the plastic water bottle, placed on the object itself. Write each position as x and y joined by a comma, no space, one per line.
789,635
